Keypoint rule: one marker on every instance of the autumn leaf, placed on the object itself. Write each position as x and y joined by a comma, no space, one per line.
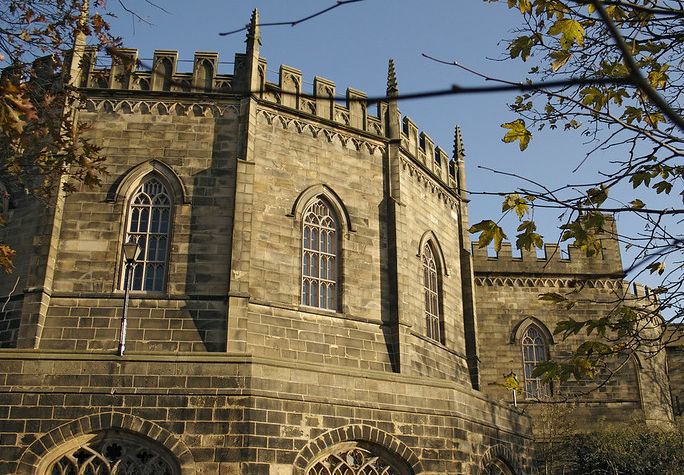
560,58
6,258
528,237
656,267
658,78
570,31
521,46
489,231
517,203
517,131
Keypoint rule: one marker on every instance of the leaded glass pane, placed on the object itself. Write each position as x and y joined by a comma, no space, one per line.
149,225
354,461
534,352
111,456
431,290
319,256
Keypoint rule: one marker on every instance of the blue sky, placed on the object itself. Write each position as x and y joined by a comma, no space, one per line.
351,46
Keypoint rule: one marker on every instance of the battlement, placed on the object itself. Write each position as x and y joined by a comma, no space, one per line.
127,72
555,261
421,147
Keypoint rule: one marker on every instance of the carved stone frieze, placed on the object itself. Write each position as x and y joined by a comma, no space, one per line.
429,183
180,108
556,282
303,126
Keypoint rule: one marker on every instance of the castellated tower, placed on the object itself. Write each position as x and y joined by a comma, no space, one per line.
300,305
305,301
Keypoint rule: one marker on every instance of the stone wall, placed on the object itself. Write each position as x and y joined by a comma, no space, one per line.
192,146
232,414
429,211
508,302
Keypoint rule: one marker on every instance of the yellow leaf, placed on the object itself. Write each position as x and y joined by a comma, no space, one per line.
517,131
512,382
570,31
658,78
524,6
6,258
560,58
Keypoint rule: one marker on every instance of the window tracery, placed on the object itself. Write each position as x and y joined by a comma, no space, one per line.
112,455
319,256
433,319
149,222
534,351
498,467
353,461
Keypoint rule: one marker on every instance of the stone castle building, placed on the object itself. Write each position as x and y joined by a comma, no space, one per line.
307,301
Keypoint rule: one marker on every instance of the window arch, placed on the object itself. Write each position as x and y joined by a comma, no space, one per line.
431,290
534,351
358,458
149,225
320,255
110,453
498,467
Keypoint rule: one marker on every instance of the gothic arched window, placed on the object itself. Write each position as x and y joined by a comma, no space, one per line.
113,454
534,351
358,458
433,320
498,467
149,225
319,256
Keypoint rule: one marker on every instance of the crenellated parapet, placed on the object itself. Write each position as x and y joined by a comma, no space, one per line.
127,72
554,260
422,149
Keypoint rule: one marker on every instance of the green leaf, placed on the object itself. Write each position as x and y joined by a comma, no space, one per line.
596,196
663,187
517,131
570,32
490,231
640,178
528,238
658,77
593,97
521,46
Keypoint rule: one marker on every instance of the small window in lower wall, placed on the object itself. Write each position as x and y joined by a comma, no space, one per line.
358,458
111,453
498,467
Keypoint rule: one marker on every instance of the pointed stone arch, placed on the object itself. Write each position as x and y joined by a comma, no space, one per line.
521,327
500,455
133,177
430,237
47,448
322,191
366,437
